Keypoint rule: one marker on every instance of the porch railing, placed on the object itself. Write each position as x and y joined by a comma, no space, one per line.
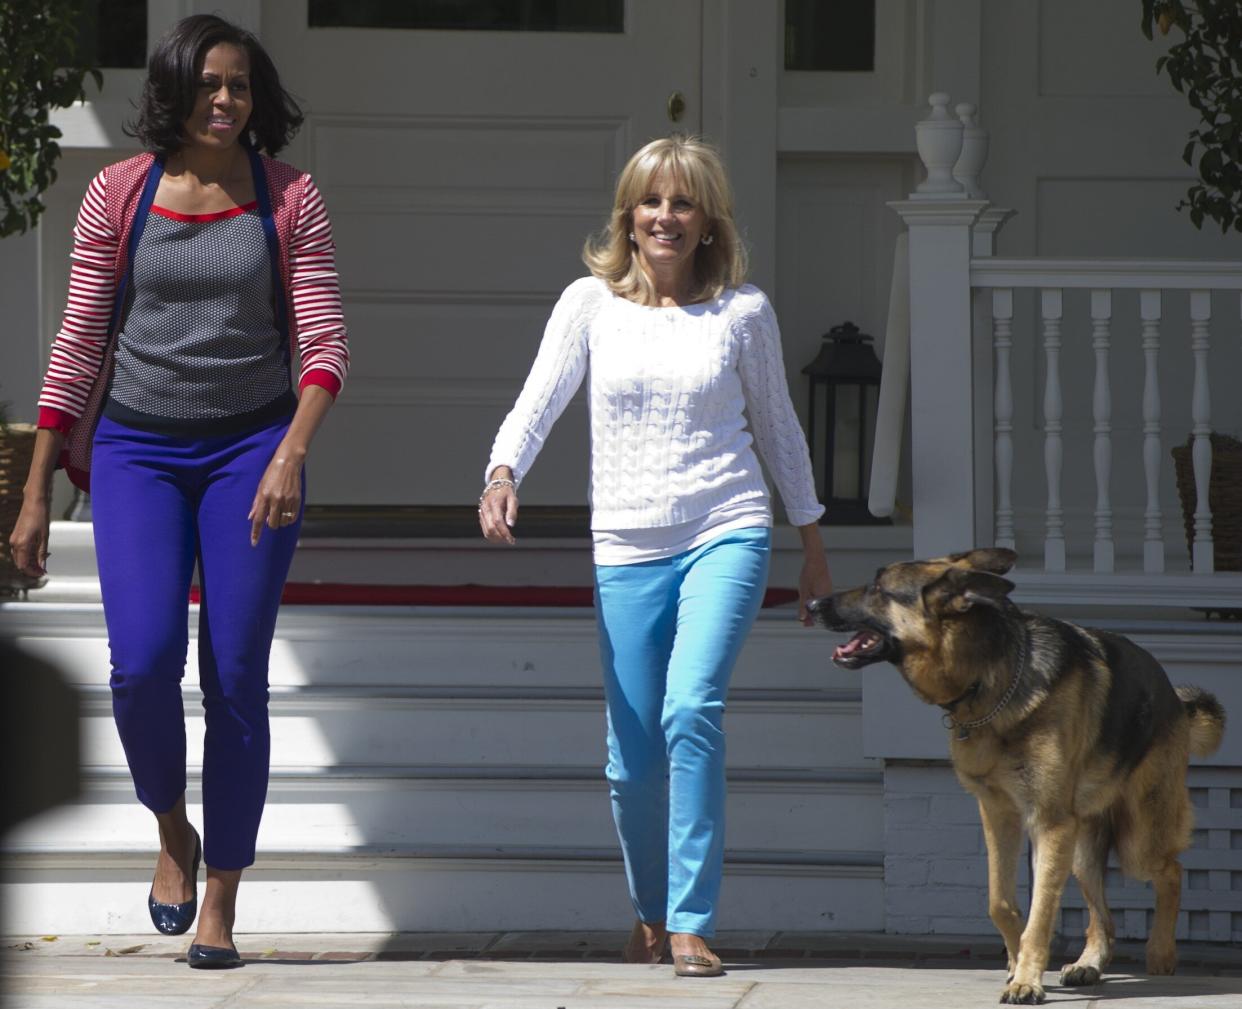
962,394
1049,279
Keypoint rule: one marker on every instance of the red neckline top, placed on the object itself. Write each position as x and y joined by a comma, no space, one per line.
218,215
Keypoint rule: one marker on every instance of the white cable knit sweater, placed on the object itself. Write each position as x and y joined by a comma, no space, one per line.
669,441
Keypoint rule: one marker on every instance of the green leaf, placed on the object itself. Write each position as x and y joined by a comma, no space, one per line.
40,71
1205,65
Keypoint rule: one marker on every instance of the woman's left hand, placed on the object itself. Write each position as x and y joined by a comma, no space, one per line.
815,581
279,497
278,501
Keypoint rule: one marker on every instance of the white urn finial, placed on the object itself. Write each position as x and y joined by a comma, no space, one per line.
939,142
974,152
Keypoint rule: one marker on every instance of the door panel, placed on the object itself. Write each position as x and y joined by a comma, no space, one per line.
462,171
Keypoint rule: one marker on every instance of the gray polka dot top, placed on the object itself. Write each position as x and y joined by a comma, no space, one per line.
199,353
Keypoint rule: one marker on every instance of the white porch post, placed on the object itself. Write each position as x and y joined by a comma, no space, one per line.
941,368
939,216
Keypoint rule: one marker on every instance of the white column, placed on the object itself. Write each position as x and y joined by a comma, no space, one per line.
1054,523
1102,412
1153,528
941,398
890,413
1201,412
1002,341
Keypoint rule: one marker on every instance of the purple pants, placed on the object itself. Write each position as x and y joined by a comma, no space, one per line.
160,503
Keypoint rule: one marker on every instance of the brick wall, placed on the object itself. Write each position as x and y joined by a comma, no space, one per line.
935,863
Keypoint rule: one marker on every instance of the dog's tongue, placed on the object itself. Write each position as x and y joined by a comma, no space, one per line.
859,642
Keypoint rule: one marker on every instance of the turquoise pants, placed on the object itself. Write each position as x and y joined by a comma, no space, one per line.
670,631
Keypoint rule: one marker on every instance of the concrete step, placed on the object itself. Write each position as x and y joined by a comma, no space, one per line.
442,769
380,809
536,560
343,728
355,646
377,892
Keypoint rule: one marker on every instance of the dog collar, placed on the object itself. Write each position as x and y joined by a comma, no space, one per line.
968,692
963,728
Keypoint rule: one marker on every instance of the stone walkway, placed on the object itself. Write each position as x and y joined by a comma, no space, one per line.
574,971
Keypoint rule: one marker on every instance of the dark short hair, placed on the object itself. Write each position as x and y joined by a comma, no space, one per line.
172,82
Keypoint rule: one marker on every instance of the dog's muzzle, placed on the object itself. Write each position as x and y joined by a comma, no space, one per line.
865,646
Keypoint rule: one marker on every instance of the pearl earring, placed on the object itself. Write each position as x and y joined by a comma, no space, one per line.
631,236
708,239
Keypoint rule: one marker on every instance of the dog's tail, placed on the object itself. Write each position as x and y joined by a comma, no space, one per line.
1207,720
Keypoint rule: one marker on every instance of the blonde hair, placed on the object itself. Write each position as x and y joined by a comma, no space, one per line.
697,167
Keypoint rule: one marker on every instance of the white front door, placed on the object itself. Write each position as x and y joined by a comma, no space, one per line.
462,171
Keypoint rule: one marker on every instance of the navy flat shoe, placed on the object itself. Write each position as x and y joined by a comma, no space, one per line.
175,919
212,957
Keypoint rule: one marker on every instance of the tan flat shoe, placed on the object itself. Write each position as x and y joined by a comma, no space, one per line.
637,950
693,965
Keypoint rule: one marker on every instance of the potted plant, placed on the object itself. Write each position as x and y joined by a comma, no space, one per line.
40,71
1204,67
1224,498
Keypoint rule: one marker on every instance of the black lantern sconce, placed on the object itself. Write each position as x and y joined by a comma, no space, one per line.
845,375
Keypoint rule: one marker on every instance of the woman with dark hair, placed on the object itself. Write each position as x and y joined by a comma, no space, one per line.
202,271
677,349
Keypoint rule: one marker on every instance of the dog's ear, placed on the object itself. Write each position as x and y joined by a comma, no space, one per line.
997,560
960,590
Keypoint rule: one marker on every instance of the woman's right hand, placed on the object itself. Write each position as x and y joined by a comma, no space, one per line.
498,509
28,542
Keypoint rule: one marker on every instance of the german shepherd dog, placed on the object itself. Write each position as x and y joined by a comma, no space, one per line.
1073,733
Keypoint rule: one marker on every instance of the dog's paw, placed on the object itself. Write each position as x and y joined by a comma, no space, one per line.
1074,975
1161,961
1016,993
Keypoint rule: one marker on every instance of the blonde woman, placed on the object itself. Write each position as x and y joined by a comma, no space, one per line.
678,346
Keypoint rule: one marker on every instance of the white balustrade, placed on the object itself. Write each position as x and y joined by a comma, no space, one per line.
941,215
1153,519
1102,412
1201,412
1002,341
1102,279
1054,521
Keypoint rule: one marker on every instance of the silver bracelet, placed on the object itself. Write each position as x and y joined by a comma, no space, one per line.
493,484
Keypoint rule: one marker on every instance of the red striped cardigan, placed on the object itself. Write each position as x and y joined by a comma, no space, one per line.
80,368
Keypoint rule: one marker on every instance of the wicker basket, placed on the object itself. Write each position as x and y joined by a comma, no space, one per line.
1224,497
16,448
